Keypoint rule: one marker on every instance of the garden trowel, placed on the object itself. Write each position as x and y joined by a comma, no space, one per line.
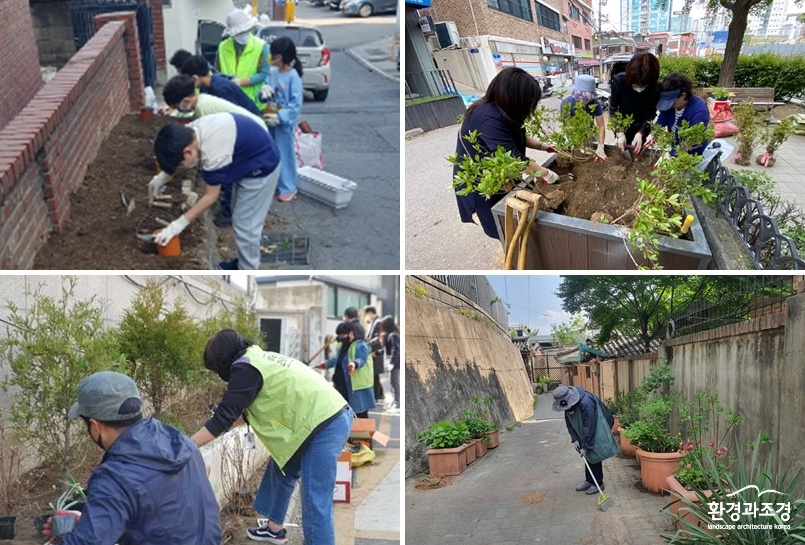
627,153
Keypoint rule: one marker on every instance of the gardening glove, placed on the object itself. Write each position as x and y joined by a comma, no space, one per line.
662,158
173,229
549,176
577,446
637,143
584,452
350,367
272,120
600,154
46,528
236,80
649,141
620,141
156,184
266,92
544,146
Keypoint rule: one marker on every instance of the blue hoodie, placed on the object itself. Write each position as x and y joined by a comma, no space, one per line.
150,489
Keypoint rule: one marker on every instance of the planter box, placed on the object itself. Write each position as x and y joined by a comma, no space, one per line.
627,449
325,187
480,447
7,527
560,242
716,105
447,461
494,440
469,452
656,467
435,114
679,508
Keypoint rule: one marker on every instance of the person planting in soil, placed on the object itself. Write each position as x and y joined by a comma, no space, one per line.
634,92
283,88
231,149
498,118
152,481
197,67
302,420
584,93
589,424
180,93
678,103
243,56
354,368
178,59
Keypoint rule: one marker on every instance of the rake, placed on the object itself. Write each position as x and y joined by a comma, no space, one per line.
604,502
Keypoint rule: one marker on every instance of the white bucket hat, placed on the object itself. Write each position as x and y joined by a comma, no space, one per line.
238,21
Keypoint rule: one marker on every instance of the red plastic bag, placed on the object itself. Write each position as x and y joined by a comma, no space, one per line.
727,128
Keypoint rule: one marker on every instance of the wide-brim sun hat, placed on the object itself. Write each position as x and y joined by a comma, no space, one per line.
667,99
584,83
564,398
237,22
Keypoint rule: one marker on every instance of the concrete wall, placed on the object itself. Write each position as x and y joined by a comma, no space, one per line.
53,29
449,358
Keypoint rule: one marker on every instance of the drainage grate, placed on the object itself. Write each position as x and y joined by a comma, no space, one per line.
283,248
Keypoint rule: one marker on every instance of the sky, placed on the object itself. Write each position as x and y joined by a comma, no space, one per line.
531,299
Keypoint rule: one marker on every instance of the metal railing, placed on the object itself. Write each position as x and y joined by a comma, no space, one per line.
478,290
768,247
740,298
432,83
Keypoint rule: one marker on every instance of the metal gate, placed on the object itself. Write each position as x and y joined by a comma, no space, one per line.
82,13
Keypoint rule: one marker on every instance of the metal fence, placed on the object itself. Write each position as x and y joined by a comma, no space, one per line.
768,247
478,290
432,83
741,298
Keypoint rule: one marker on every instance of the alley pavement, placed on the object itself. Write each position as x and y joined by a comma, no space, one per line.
376,57
523,493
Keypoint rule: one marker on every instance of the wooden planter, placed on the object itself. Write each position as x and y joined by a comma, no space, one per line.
494,440
627,449
656,467
480,447
447,461
679,508
469,452
560,242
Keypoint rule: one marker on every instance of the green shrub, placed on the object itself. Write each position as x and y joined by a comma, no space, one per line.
445,435
477,426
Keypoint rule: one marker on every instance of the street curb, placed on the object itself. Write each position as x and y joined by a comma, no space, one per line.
413,133
370,66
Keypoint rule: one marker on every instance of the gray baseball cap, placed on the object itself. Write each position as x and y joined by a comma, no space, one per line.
107,396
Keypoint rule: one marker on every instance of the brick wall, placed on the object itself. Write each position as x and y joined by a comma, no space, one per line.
497,23
158,24
53,28
46,149
19,59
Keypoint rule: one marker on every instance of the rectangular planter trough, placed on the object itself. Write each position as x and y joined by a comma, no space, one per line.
560,242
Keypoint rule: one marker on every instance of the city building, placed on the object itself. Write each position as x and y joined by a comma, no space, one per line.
682,45
644,16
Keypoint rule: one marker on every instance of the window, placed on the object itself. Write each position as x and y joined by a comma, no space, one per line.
577,42
517,8
547,17
587,44
339,299
574,12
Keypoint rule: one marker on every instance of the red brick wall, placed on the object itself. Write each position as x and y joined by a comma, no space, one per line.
46,149
158,22
19,59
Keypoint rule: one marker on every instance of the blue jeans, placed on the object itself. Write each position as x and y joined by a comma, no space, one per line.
315,463
286,144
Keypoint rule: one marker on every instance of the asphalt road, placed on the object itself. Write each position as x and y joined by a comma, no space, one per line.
360,127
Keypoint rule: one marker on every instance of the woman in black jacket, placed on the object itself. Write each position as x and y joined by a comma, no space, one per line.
635,93
391,346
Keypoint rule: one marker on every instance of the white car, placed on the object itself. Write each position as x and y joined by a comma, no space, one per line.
310,49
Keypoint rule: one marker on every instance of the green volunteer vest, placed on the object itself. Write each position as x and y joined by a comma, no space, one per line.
293,401
365,376
605,445
245,67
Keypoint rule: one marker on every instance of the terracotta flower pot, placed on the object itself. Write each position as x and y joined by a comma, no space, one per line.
447,461
616,427
637,452
470,451
494,440
656,467
678,507
480,447
627,449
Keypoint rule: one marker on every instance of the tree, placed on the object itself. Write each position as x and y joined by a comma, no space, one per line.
569,332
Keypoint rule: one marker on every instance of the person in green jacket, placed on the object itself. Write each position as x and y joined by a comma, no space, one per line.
589,423
302,421
243,56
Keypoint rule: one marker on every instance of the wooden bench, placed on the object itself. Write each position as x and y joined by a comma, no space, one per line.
759,96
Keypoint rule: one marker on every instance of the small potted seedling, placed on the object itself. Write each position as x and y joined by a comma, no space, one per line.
619,123
773,139
719,99
62,522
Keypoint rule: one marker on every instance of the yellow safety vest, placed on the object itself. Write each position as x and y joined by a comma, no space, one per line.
246,66
365,376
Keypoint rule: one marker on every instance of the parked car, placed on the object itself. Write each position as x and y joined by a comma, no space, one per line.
335,4
365,8
317,3
310,49
208,36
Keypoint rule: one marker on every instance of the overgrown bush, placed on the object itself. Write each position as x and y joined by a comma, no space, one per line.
52,346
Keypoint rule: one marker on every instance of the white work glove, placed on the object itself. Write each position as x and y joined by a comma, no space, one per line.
266,92
600,154
173,229
637,143
156,184
236,80
577,446
549,176
649,141
272,120
620,141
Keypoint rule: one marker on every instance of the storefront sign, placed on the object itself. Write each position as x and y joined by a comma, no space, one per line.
556,48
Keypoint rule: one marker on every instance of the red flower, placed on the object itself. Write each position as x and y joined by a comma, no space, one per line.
712,445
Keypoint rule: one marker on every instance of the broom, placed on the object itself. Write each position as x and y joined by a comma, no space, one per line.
604,502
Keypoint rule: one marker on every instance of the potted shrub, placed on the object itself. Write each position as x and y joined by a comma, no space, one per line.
448,443
478,428
719,99
657,448
9,472
773,139
61,522
751,132
483,408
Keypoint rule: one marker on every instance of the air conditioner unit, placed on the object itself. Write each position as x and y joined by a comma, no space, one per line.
469,42
448,34
433,43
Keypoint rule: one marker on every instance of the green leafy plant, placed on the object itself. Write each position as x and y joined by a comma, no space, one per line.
10,460
416,290
719,93
162,346
751,132
619,122
478,427
445,434
72,496
484,172
571,135
773,138
483,408
51,346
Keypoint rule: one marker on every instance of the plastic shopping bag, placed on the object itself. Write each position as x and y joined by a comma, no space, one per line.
308,149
